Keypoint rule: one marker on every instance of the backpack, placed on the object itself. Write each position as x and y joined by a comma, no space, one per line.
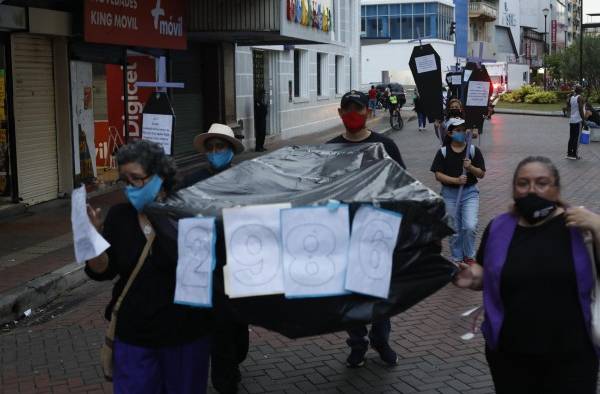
443,149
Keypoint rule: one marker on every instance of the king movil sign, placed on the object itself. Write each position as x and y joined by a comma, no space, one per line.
145,23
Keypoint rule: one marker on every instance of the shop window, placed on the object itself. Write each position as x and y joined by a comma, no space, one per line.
339,75
300,73
382,25
371,27
395,27
407,28
322,73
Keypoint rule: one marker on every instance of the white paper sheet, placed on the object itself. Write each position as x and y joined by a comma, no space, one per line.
456,80
196,261
315,250
87,241
467,75
478,94
425,63
374,236
158,128
253,242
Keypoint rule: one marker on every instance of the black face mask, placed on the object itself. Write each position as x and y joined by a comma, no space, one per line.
534,208
455,113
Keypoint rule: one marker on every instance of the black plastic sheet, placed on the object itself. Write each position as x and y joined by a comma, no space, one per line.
306,175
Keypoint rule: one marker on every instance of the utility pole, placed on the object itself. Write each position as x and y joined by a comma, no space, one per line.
581,43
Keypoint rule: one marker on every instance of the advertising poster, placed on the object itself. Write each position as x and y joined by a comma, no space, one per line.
4,163
84,149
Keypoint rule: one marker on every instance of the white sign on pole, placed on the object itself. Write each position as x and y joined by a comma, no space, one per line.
196,261
253,243
158,128
456,80
315,257
478,94
425,63
374,235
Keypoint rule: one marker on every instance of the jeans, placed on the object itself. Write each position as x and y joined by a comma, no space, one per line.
422,119
575,128
462,244
379,335
179,369
373,105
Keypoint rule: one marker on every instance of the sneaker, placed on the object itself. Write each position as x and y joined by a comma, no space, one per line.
356,359
571,157
387,354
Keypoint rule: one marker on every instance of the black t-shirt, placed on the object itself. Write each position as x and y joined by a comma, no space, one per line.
538,288
452,164
148,317
389,145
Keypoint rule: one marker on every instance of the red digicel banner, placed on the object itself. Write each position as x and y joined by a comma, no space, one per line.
145,23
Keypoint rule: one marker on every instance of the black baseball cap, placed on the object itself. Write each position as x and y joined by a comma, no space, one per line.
355,96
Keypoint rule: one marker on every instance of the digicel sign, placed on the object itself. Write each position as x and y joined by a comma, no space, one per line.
145,23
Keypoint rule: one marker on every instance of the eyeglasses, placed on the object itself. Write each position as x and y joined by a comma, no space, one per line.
541,184
132,180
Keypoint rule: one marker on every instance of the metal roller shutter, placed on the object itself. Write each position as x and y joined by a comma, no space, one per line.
187,102
35,126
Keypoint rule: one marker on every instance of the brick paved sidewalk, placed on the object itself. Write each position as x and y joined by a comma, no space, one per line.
40,240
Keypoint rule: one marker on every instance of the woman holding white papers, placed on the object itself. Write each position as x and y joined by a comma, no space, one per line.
157,346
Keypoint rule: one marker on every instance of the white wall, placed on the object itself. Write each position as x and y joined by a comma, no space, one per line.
394,56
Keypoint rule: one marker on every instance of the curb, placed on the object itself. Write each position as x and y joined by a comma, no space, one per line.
526,112
39,291
10,210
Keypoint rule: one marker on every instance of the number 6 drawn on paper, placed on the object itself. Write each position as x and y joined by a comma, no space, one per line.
249,245
310,245
376,244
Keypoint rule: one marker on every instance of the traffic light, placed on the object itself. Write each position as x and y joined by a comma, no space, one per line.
452,28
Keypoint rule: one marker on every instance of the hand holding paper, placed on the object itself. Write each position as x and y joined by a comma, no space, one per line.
86,239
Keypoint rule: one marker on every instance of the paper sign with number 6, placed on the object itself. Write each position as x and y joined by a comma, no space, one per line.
252,240
374,236
315,242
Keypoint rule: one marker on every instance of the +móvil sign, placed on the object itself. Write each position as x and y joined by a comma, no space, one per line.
310,13
145,23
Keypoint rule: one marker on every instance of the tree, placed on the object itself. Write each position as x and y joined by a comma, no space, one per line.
569,62
554,65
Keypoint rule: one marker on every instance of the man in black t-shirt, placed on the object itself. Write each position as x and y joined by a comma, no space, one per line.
354,112
454,168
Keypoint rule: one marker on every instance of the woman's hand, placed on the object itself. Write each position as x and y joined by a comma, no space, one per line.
95,217
469,276
583,218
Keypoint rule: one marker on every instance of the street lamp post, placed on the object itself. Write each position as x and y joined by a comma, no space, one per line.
545,11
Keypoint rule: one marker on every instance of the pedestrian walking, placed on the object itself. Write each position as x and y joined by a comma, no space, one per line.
537,278
229,340
354,112
159,346
576,103
421,117
449,165
373,100
261,108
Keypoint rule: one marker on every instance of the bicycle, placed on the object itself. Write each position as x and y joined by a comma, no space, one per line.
396,121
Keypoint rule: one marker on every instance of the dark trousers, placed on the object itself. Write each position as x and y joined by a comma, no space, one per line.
379,335
229,349
575,128
260,132
422,119
545,374
179,369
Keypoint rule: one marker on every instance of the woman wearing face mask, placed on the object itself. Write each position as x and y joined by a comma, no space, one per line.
454,168
454,109
159,347
536,277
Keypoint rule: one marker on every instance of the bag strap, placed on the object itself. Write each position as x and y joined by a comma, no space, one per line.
150,235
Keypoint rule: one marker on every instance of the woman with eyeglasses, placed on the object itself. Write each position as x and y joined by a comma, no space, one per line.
159,347
536,275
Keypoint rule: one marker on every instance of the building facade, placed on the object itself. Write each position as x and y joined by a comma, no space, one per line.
302,83
388,29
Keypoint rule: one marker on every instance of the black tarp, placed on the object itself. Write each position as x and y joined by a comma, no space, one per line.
305,175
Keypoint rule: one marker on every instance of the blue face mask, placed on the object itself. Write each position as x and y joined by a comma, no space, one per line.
220,159
139,197
458,137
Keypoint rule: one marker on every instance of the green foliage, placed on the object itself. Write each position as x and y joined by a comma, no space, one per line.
561,95
553,64
520,95
569,62
541,98
594,97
